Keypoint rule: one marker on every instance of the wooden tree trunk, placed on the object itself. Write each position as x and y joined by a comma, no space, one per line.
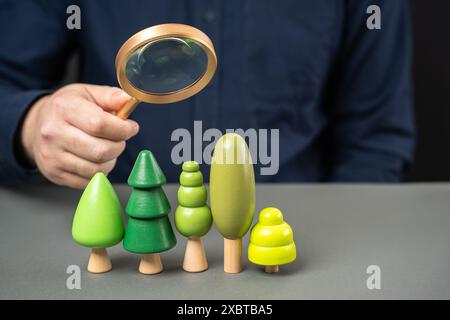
99,261
232,255
272,269
151,264
195,257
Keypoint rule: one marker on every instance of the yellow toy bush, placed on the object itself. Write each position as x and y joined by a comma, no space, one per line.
271,240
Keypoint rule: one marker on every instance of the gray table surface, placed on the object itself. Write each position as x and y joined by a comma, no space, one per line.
339,230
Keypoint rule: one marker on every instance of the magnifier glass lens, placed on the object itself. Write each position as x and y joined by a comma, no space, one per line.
166,65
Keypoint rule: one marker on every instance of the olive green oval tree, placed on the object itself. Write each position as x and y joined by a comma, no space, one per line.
232,191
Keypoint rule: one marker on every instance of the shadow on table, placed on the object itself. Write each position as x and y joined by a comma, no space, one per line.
299,265
45,193
130,262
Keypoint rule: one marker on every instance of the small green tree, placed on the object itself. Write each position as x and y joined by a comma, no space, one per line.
149,231
98,222
193,217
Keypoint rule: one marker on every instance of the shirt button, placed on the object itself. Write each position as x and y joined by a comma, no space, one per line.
209,16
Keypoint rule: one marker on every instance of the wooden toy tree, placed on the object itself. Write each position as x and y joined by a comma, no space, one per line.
193,217
271,241
149,231
232,191
98,222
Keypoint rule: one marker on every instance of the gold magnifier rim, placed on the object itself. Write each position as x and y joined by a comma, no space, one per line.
155,33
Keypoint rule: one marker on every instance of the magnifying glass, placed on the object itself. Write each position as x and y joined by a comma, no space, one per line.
164,64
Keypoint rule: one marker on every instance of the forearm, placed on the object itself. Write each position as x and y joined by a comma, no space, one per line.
372,118
14,167
373,168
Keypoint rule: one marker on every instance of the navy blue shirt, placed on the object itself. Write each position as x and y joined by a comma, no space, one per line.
339,93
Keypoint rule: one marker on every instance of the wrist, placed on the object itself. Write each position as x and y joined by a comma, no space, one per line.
28,131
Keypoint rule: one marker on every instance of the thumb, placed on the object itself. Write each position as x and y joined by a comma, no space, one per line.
108,98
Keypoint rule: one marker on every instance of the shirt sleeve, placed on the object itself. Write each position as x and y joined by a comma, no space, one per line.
35,42
372,108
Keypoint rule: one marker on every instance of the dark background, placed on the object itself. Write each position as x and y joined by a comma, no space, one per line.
431,29
431,69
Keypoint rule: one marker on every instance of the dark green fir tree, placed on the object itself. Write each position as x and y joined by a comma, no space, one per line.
149,231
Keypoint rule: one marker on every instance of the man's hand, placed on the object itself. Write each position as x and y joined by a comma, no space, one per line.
73,133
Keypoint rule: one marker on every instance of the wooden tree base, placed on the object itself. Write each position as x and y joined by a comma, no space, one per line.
271,269
195,257
99,261
151,264
232,255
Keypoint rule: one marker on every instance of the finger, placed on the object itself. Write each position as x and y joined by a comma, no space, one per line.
91,119
70,180
108,98
84,168
90,148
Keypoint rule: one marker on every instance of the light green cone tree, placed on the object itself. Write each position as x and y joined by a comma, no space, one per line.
193,217
98,222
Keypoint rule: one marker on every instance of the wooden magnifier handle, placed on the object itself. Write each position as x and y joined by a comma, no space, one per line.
128,109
